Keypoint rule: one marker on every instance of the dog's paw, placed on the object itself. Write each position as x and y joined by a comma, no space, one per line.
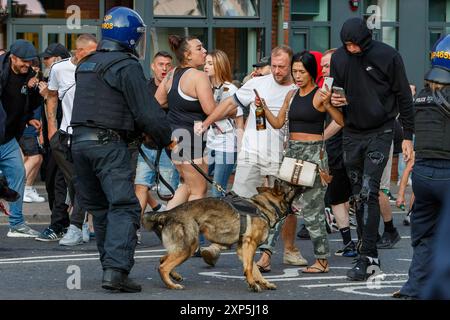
255,287
177,287
176,276
270,286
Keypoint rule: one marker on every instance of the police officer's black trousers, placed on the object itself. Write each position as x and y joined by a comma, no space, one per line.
431,185
365,156
103,180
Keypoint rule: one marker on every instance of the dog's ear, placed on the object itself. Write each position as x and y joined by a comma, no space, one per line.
263,189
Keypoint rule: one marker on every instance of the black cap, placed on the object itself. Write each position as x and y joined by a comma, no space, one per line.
55,50
262,63
24,50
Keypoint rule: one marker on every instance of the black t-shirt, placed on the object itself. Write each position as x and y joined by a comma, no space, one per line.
14,100
152,87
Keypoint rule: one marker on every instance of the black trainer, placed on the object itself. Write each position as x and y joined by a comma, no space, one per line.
119,281
49,235
359,272
303,233
388,240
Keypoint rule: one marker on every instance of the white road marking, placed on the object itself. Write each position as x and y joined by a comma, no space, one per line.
382,286
346,284
292,274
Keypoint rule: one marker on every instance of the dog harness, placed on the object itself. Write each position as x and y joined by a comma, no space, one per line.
246,210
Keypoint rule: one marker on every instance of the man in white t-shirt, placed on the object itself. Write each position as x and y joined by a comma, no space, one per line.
61,86
261,151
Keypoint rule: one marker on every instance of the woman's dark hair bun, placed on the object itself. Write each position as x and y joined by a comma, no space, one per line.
175,42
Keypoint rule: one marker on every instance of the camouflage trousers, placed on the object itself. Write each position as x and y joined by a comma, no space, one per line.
312,201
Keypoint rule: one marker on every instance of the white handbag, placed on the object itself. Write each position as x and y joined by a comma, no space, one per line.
298,172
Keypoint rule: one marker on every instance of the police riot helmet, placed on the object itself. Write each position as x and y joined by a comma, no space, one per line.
125,26
440,62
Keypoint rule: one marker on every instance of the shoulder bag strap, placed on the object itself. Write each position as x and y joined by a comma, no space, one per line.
286,124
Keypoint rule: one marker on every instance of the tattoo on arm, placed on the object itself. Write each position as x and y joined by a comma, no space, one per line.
51,115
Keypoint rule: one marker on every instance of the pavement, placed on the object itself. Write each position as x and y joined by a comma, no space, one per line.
52,272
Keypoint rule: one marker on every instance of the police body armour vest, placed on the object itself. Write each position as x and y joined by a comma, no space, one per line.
96,103
432,125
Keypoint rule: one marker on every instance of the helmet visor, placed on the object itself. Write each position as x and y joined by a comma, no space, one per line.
141,45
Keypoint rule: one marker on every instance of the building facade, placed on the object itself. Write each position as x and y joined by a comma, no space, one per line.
245,29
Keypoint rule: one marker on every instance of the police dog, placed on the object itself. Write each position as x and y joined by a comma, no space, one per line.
220,223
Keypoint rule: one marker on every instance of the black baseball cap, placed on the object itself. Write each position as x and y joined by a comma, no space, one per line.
265,61
24,50
55,50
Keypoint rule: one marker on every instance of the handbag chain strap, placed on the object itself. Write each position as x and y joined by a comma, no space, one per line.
322,148
286,125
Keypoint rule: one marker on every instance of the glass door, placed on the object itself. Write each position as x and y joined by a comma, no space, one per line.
65,36
43,35
300,39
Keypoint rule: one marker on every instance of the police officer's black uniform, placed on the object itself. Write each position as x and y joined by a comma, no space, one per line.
111,100
431,185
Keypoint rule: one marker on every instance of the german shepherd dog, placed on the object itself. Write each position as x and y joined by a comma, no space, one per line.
220,223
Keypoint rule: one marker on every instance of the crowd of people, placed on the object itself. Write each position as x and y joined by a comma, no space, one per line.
74,119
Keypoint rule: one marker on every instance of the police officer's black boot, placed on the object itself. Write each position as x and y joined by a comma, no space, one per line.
117,280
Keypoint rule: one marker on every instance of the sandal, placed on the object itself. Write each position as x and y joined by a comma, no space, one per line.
266,268
324,267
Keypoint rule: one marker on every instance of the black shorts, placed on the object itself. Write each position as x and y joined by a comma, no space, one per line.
30,146
190,145
340,189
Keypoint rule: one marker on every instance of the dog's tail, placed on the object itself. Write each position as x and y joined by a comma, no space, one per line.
153,220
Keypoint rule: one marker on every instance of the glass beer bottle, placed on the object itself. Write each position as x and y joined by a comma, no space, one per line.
260,118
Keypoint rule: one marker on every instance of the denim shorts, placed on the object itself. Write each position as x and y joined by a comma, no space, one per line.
146,176
30,146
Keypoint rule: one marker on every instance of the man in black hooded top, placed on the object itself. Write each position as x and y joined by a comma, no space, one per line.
373,77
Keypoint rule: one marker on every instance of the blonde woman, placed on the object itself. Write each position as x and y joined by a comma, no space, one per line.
222,135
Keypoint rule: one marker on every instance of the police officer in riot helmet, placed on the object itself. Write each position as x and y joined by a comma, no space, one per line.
431,182
112,101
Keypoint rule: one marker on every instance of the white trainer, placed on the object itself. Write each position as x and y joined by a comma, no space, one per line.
31,195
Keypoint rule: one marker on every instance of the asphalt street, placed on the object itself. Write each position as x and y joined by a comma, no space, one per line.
35,270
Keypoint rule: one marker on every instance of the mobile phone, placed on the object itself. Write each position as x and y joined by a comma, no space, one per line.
340,91
328,82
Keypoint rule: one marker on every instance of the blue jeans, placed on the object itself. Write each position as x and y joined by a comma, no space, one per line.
11,163
146,176
224,163
439,284
431,181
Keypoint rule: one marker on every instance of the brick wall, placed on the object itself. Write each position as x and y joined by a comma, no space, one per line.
89,8
287,18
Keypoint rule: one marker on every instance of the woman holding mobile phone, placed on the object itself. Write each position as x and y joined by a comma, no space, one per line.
305,110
